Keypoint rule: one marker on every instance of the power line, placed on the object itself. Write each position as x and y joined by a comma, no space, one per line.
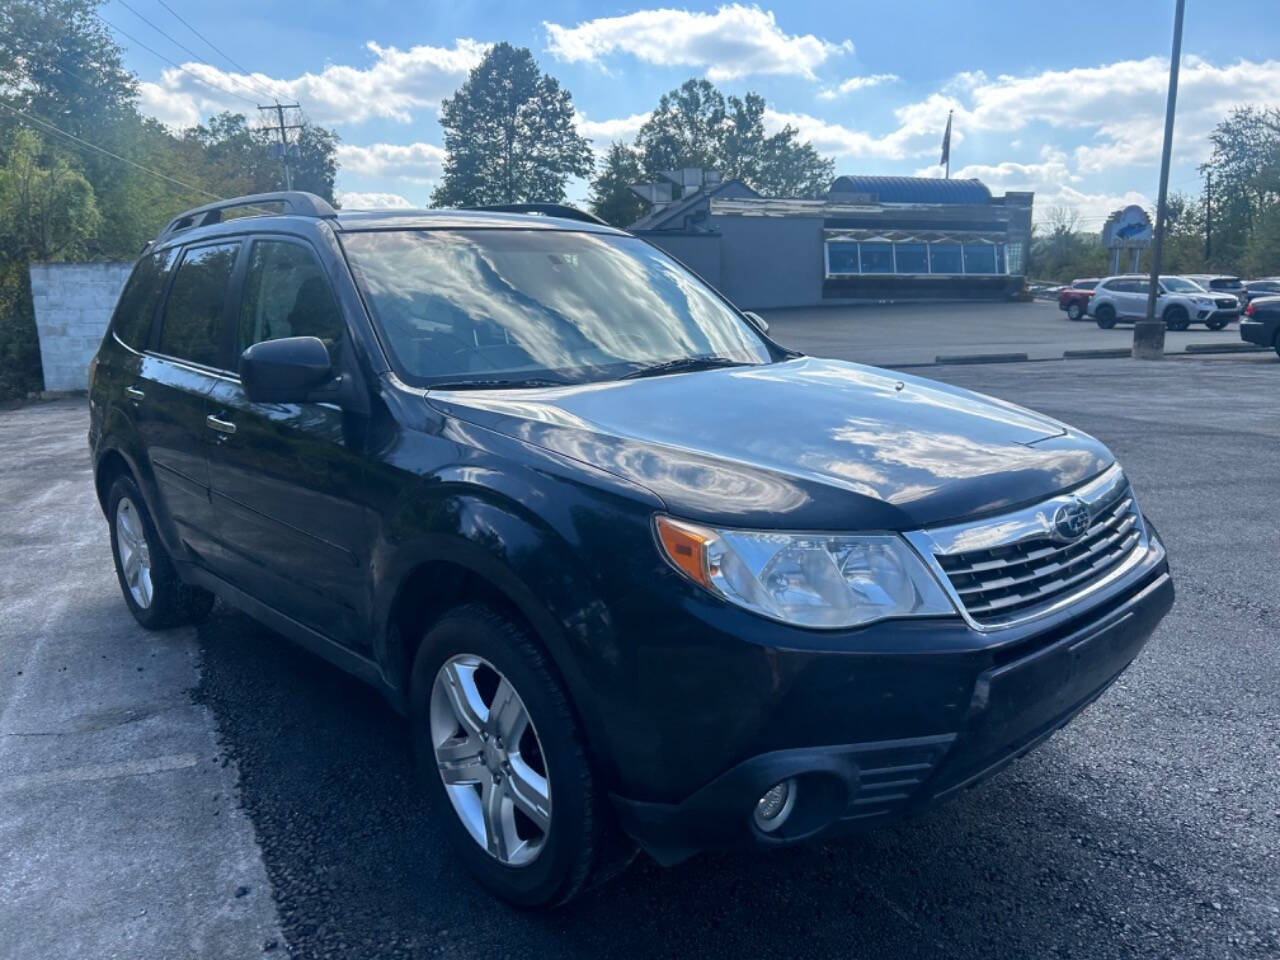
115,156
196,76
213,46
254,90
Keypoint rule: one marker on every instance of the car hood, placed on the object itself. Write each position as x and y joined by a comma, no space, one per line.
804,443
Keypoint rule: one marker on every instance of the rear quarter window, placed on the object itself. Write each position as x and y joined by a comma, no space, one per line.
137,305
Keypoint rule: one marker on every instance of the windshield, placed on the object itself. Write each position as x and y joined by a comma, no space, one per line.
501,307
1180,285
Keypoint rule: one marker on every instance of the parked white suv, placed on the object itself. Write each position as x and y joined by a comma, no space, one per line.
1181,302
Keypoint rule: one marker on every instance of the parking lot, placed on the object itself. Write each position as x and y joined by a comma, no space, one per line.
217,792
914,333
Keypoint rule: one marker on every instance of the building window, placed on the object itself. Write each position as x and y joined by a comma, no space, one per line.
1015,254
842,258
911,258
945,258
979,258
1000,258
877,258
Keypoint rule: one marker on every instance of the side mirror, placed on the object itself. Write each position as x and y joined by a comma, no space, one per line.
286,370
757,321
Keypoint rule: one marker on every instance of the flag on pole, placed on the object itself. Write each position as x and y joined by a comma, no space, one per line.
946,147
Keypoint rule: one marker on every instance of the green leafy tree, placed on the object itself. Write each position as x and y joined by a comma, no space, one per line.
695,125
509,135
47,212
612,199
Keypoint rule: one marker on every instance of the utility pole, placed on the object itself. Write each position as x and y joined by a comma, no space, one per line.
1148,333
279,109
1208,215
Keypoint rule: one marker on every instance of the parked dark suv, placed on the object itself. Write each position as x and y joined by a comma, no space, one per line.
635,573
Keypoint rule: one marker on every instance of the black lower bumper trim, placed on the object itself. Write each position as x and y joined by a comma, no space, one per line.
847,787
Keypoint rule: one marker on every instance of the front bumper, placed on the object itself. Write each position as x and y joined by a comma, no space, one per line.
1210,315
1015,700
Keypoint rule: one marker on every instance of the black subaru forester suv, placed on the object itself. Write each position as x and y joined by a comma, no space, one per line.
635,573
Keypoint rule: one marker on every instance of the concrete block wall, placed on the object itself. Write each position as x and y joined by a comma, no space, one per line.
73,304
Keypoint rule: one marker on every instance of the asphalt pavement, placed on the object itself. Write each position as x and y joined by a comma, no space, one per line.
915,333
1150,827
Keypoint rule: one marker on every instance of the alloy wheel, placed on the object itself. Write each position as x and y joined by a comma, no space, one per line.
134,553
490,759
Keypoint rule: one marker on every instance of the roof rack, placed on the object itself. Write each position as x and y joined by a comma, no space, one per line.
295,202
543,209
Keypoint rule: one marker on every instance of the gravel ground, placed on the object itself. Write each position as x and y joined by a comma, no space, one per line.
1150,827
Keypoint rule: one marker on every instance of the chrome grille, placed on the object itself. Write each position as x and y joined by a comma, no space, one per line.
1223,302
1014,568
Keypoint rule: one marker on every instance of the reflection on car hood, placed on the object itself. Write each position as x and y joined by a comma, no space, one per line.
806,443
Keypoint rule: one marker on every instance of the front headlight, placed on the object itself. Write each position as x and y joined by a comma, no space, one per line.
806,579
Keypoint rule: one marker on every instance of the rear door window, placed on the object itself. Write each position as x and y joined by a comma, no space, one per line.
286,295
137,306
192,324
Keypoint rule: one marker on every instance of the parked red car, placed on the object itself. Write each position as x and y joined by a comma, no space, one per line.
1075,298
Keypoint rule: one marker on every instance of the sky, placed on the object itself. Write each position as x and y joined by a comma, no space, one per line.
1065,100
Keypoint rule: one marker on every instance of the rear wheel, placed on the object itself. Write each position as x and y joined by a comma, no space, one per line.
1074,312
1276,344
1175,318
1106,316
502,755
153,591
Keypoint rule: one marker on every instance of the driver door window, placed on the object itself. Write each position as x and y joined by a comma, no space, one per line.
286,295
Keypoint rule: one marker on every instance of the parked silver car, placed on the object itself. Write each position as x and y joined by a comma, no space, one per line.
1180,303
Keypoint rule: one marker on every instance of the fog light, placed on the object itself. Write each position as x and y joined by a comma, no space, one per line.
775,805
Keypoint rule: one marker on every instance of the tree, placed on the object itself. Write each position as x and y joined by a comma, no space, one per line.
612,199
509,135
47,212
1245,170
695,125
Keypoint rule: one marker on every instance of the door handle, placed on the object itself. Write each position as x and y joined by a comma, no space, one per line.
222,426
134,393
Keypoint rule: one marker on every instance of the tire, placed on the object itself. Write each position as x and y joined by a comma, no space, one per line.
1074,312
1176,318
1276,344
1105,315
152,589
580,845
1216,324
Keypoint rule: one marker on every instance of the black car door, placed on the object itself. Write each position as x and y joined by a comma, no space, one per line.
170,393
287,477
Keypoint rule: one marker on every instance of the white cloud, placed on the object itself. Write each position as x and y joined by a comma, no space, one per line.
606,131
411,162
396,85
858,83
840,141
736,41
1055,185
1122,104
371,201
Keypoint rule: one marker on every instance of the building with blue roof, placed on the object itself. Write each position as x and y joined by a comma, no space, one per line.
868,239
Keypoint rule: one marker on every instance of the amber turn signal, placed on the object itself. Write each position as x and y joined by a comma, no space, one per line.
686,546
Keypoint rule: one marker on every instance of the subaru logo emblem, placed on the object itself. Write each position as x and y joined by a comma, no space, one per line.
1071,521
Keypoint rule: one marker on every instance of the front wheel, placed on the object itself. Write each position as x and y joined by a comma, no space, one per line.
1074,312
1175,318
503,757
1217,324
1106,316
153,591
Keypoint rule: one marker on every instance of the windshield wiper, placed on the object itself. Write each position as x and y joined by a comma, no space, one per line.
499,383
684,365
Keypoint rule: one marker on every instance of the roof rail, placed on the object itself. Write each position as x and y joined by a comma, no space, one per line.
295,202
543,209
